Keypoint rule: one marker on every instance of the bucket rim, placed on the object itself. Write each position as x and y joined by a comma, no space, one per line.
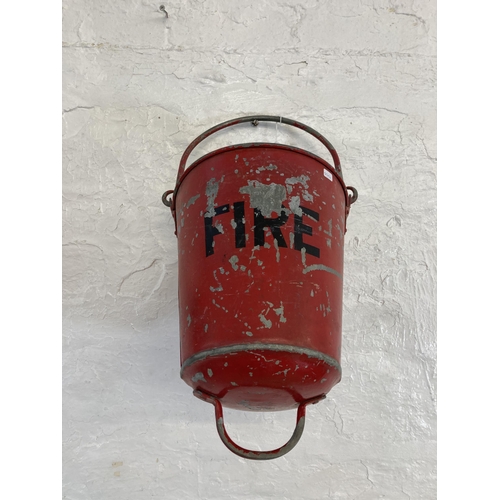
249,145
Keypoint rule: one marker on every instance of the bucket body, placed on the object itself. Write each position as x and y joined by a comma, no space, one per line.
260,240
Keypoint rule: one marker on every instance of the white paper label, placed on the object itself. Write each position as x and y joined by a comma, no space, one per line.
328,174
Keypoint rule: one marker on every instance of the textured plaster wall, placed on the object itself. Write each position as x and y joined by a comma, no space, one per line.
138,87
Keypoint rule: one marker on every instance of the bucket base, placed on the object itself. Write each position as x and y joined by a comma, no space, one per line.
259,377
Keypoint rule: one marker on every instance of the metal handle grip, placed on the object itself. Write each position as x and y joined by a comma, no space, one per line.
256,119
257,455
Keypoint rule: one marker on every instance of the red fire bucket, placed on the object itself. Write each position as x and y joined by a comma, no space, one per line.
260,232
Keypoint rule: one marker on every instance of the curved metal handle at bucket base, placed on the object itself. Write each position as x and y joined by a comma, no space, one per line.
255,121
257,455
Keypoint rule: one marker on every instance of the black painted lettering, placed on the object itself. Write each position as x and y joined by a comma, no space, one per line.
300,229
211,230
262,222
239,219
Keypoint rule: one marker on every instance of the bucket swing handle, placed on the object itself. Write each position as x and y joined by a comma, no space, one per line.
257,455
255,121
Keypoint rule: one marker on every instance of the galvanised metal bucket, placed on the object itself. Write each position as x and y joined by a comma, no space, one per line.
260,230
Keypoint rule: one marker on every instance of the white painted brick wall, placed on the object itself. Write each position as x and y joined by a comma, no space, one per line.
138,87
